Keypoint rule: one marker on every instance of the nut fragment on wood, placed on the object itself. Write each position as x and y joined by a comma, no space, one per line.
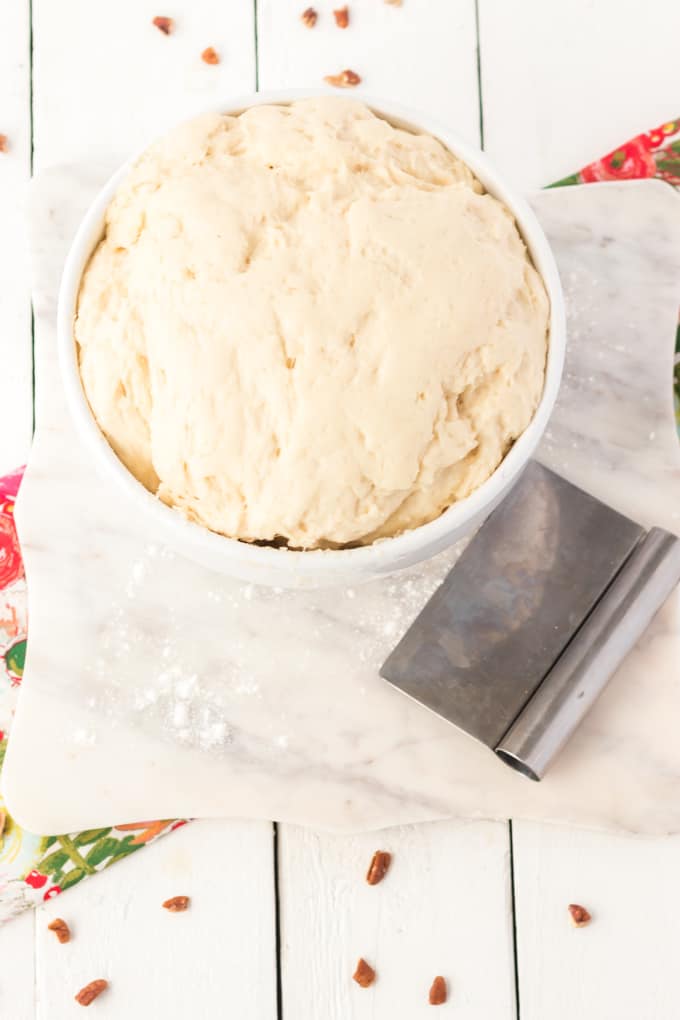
341,16
4,146
438,991
176,904
308,17
60,929
345,80
164,25
580,917
377,869
91,992
364,975
210,55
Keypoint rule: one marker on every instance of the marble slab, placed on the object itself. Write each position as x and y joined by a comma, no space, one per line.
155,688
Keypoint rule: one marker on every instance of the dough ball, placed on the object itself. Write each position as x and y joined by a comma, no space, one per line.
304,324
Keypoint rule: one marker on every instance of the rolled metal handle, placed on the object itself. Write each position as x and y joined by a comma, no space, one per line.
594,653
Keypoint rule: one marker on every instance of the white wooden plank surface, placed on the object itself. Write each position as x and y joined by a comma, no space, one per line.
564,83
217,958
421,55
624,964
16,416
17,969
443,908
106,81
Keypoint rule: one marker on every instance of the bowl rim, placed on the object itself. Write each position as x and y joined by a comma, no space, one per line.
382,553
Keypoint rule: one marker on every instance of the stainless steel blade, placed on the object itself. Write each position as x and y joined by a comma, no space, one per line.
488,637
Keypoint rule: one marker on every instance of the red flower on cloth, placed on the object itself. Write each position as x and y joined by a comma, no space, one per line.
629,162
11,567
654,154
9,485
35,879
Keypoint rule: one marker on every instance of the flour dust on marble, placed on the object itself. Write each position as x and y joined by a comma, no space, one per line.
217,706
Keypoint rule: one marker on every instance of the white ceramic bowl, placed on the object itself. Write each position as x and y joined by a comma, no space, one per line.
318,568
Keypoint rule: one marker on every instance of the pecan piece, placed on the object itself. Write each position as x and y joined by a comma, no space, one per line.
308,17
580,917
164,25
341,16
364,975
345,80
438,991
91,992
210,55
4,143
377,869
60,929
176,904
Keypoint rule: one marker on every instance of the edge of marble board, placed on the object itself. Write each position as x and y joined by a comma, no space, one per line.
145,761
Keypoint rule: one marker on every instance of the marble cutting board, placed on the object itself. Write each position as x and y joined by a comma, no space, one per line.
155,688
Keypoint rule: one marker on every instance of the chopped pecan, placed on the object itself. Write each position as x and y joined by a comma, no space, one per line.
308,17
364,975
210,55
377,869
580,917
341,16
60,929
4,143
176,904
345,80
164,25
91,992
438,991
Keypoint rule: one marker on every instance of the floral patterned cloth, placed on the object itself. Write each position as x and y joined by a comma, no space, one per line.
36,868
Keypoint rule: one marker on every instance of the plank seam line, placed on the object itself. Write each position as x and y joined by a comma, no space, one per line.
277,925
480,97
513,905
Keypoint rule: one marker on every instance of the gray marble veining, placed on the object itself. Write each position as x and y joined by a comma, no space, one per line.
155,688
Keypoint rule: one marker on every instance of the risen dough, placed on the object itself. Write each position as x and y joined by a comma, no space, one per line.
302,323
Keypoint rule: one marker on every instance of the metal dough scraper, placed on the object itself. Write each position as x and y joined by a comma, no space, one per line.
528,627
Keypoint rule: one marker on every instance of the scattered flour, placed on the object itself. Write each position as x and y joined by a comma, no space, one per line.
84,737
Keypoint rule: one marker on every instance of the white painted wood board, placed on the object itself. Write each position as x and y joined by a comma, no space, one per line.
117,82
624,964
16,412
597,119
221,951
565,83
386,45
17,968
444,908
